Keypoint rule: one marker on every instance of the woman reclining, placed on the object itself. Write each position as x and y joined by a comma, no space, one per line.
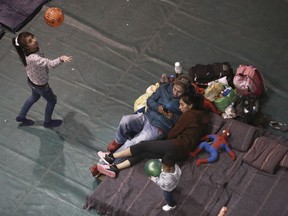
182,138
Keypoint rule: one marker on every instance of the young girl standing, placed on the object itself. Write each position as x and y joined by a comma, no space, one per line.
37,71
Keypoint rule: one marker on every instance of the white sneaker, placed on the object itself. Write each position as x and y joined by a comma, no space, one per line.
168,208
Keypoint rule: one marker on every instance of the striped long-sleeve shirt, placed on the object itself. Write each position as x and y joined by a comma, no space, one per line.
37,68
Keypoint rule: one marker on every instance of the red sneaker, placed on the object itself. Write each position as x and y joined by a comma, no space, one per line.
94,171
113,146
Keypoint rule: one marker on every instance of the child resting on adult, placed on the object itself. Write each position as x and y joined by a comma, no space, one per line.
182,138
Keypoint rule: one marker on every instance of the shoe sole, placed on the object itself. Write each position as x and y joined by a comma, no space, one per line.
106,172
22,124
98,175
95,176
26,122
103,159
54,124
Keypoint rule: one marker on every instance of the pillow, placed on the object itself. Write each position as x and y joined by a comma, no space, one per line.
284,141
265,154
242,134
216,122
284,161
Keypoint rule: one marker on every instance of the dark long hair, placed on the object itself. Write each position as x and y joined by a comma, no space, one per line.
190,97
20,44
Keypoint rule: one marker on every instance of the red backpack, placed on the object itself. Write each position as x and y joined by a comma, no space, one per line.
248,81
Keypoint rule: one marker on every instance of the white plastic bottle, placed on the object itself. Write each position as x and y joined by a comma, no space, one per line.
178,69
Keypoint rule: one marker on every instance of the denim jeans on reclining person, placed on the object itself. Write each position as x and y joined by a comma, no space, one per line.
44,91
139,125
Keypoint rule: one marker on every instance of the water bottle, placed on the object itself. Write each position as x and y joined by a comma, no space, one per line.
178,69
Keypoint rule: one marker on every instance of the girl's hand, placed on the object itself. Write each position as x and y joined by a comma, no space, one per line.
66,59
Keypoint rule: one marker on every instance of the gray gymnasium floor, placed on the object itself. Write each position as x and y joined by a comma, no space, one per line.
120,47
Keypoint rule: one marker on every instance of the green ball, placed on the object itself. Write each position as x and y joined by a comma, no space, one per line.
153,167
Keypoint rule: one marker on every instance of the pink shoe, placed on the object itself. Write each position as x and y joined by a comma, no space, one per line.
107,170
105,157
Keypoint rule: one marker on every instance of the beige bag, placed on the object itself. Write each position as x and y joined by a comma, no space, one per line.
213,91
141,101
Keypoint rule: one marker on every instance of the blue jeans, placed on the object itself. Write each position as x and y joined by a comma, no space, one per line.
137,124
44,91
168,196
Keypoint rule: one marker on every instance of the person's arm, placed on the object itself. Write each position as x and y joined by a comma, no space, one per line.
153,103
65,58
164,180
183,122
42,61
173,117
153,178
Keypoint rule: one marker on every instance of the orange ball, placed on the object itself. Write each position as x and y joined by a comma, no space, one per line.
53,16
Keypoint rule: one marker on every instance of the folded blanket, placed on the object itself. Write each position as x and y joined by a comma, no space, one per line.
265,154
284,161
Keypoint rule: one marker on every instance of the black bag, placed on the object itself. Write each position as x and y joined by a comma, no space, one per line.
246,108
203,74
